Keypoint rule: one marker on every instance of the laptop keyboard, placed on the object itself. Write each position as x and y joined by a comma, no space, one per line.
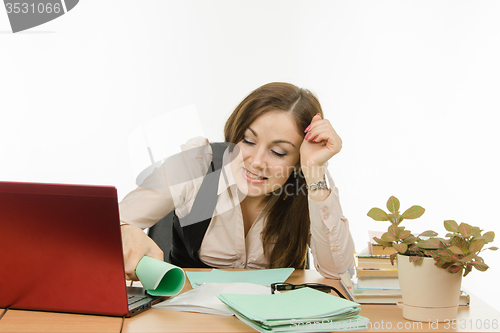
132,299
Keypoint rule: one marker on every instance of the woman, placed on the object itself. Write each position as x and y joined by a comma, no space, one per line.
276,184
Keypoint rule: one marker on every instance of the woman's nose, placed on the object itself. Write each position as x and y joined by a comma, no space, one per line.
258,159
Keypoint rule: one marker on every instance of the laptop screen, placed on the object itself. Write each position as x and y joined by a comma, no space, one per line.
61,249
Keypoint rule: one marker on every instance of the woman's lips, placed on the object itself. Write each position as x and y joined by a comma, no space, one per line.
249,177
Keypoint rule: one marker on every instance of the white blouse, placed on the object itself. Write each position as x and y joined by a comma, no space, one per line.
225,244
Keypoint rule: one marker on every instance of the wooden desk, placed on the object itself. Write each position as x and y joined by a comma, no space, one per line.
384,318
37,321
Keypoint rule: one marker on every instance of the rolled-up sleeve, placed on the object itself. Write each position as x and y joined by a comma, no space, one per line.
331,242
156,197
149,202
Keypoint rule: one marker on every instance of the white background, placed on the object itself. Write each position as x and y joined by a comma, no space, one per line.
411,87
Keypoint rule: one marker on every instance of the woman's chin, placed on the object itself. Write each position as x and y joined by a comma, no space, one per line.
250,190
242,186
256,194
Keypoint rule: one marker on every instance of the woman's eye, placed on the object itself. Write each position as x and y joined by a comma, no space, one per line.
278,154
245,141
248,142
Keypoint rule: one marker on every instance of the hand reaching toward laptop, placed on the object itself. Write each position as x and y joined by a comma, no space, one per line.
136,244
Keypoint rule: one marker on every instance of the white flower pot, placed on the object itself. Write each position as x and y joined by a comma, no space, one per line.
430,293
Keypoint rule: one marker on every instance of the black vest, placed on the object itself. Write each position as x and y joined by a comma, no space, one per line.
188,232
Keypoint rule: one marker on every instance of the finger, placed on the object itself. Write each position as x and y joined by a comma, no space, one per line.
316,129
320,138
332,143
326,127
313,120
155,252
316,117
325,132
131,277
131,263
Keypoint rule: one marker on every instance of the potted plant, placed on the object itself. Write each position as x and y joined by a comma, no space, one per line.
430,268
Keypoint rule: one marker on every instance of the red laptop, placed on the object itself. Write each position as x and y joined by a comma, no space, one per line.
61,250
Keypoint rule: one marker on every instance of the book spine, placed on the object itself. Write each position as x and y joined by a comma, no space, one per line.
375,272
347,291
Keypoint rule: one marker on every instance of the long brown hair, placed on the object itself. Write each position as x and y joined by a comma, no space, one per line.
287,225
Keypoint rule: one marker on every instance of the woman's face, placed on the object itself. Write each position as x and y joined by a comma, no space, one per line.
269,152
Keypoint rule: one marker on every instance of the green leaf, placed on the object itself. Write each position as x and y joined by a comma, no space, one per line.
413,212
392,218
404,234
454,269
478,258
439,262
448,256
382,242
431,243
393,205
451,225
476,245
428,233
401,248
446,242
433,253
493,248
415,258
410,239
378,214
460,242
465,229
394,230
468,258
480,266
476,232
468,269
455,249
489,236
389,237
414,248
447,264
392,257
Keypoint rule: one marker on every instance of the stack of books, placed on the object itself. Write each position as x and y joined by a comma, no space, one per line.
300,310
374,281
367,295
378,295
374,270
374,247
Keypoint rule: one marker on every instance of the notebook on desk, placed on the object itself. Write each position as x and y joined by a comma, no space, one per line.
61,250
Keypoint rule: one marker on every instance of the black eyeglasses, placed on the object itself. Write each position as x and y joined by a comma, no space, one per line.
318,286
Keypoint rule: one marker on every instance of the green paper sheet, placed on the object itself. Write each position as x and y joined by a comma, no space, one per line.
160,278
196,278
263,277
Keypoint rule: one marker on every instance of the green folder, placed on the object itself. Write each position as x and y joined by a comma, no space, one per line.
304,309
355,323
